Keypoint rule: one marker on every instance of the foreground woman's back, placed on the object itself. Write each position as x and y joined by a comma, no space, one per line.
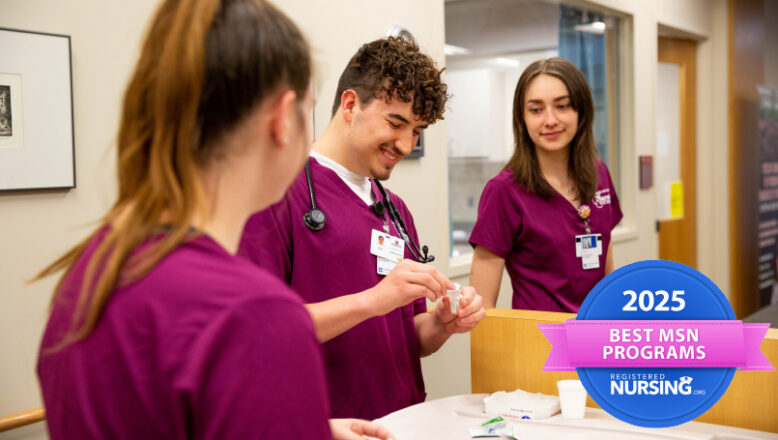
204,346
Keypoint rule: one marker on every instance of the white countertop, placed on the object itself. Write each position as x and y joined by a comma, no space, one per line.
450,418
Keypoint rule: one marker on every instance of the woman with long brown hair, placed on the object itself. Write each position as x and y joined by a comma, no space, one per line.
547,217
157,330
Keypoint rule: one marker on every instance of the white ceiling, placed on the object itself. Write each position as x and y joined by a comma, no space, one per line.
493,27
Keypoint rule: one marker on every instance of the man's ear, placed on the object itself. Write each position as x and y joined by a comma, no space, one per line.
282,111
349,102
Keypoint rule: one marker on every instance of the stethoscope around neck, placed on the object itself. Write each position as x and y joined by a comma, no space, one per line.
315,219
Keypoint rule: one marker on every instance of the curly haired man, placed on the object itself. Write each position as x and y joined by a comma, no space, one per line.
369,311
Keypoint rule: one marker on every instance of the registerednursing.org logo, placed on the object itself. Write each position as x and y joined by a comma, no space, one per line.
655,344
650,385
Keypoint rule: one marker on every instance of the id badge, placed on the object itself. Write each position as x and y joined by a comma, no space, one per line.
589,248
387,246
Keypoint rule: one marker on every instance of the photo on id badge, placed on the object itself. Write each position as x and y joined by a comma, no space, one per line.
589,248
387,246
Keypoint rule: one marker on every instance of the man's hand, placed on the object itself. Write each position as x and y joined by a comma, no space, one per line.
470,313
355,429
407,282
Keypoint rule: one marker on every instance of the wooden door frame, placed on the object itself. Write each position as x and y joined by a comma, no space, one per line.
684,53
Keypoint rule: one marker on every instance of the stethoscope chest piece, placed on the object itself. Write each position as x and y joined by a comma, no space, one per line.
315,219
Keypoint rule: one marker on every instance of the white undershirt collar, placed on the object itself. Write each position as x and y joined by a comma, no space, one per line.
359,184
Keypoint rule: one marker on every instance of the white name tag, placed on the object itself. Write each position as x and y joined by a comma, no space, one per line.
589,248
387,246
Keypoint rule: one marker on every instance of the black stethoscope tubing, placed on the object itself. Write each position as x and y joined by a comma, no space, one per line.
420,255
315,218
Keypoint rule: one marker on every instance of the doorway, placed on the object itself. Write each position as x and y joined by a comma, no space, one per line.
675,151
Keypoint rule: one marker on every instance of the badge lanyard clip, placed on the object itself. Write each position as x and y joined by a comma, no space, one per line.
583,213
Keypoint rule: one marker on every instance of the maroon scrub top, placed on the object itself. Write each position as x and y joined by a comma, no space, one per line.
204,346
536,237
374,368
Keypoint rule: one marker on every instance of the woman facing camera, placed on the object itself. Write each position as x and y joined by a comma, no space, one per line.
547,217
157,330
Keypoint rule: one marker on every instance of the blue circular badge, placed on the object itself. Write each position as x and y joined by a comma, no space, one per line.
656,290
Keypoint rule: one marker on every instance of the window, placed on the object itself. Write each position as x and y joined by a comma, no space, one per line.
489,43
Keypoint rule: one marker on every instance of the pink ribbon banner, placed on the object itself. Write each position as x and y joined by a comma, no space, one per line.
661,344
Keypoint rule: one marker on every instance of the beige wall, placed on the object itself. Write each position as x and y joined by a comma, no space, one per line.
36,227
713,150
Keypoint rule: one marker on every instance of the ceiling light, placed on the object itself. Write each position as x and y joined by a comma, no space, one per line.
507,62
450,49
595,27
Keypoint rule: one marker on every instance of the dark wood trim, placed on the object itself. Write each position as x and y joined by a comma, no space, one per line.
746,70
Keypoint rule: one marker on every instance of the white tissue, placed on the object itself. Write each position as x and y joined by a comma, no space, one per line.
521,405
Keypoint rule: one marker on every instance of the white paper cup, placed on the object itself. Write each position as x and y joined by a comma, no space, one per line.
572,398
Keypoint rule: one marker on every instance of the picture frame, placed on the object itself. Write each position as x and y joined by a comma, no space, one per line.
418,149
37,143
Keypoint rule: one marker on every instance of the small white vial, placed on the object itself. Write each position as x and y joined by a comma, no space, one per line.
454,296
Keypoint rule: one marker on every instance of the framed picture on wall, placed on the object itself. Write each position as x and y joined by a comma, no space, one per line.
418,150
36,111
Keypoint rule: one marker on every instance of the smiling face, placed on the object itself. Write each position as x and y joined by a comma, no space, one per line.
549,116
380,135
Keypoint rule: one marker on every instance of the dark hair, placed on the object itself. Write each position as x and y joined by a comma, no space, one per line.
395,68
204,67
251,49
583,160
